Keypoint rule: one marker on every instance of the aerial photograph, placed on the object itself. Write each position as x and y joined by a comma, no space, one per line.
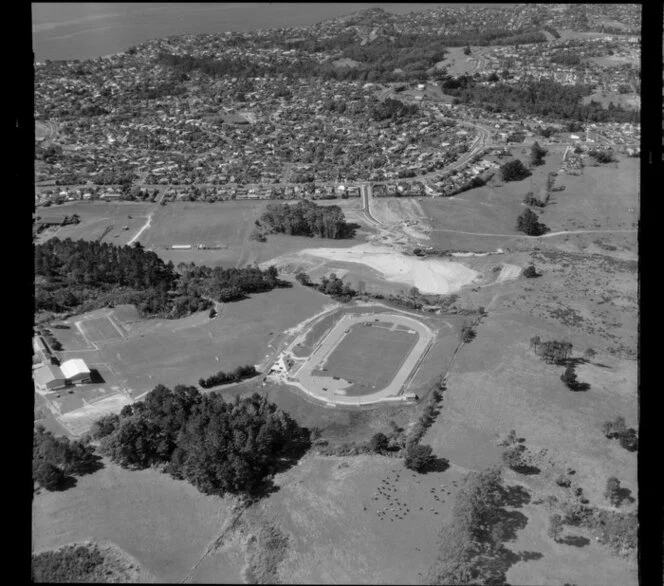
336,293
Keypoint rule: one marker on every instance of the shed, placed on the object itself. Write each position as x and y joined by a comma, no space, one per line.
75,371
49,378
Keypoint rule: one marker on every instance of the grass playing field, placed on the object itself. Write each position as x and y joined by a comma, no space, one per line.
101,329
369,357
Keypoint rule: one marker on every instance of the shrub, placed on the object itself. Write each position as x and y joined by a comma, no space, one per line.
379,442
629,440
530,272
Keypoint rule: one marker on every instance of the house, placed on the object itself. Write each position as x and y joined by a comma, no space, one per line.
49,378
76,371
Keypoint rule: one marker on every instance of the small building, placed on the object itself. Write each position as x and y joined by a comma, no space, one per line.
50,378
76,371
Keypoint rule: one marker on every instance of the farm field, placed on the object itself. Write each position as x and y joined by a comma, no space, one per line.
136,510
368,357
366,539
98,220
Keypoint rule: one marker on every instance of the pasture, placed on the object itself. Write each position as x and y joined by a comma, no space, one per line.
137,511
99,221
368,356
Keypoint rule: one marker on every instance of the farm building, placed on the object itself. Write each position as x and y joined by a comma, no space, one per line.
76,371
49,378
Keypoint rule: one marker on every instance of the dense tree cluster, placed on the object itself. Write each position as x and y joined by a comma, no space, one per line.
336,288
224,378
514,170
617,429
84,275
568,58
306,218
226,284
553,351
469,546
390,109
528,223
219,447
69,564
55,459
545,98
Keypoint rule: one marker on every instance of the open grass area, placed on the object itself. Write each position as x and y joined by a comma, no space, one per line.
604,197
181,351
165,524
228,225
98,220
369,357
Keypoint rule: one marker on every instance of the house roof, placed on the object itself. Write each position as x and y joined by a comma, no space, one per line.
75,366
47,373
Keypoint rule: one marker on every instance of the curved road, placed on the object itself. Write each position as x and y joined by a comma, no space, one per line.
542,236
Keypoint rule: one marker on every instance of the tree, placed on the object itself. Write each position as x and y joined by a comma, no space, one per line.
555,526
529,223
569,377
590,354
466,50
629,440
534,343
302,278
613,492
513,456
615,428
514,170
47,475
379,442
419,457
537,155
105,426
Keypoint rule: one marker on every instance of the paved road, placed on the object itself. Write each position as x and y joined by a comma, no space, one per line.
548,235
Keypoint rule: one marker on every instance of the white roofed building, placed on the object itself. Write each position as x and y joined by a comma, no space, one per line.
75,371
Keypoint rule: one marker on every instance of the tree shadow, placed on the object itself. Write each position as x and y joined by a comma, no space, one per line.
506,524
624,495
526,469
515,496
579,387
437,465
66,483
349,229
575,540
572,361
600,365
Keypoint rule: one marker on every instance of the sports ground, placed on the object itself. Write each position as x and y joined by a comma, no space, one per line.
363,359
